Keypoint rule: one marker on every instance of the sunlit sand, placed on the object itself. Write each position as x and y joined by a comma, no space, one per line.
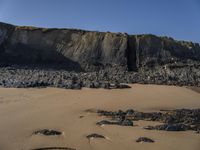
23,111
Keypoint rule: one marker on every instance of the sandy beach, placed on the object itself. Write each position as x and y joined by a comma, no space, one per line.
23,111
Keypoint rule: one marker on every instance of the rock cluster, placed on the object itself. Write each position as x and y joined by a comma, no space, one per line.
22,77
26,77
174,120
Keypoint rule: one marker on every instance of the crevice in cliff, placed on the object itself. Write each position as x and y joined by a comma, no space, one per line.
137,50
131,53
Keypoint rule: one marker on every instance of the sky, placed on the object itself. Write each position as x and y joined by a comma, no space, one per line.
179,19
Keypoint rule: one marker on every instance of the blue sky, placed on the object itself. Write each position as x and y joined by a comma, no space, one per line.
179,19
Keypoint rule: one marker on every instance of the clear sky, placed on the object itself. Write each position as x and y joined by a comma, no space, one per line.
179,19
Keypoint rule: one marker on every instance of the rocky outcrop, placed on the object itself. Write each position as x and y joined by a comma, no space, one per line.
121,57
174,120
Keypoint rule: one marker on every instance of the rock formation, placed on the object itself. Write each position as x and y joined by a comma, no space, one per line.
174,120
135,58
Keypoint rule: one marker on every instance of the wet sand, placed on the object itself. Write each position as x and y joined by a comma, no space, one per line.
23,111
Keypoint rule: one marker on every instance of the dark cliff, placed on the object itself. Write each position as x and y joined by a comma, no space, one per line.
90,50
68,47
155,59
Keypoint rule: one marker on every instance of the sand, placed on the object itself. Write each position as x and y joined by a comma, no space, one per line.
196,89
23,111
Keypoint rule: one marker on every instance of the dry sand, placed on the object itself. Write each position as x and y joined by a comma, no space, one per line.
23,111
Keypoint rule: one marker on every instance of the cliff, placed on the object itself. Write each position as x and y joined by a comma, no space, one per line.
86,50
155,59
79,49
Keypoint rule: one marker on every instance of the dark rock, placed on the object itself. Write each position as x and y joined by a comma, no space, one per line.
172,127
198,131
48,132
145,139
196,128
95,135
169,127
149,128
123,86
126,122
130,112
186,116
174,120
105,122
77,86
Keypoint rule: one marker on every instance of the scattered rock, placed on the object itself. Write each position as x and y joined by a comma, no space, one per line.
174,120
145,139
48,132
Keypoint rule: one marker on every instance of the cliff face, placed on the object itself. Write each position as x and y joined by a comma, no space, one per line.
89,51
72,48
151,51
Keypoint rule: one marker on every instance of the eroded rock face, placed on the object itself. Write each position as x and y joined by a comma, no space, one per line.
155,60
